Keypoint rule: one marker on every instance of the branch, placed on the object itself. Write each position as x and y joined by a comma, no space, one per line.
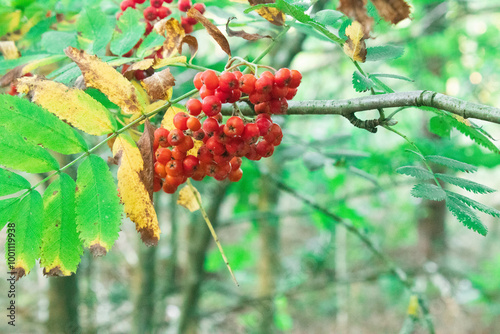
420,98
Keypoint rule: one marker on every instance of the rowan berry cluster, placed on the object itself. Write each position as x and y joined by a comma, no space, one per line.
224,145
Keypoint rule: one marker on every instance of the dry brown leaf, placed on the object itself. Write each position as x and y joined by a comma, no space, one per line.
145,145
192,42
392,11
173,32
142,65
243,34
355,46
187,198
105,78
12,75
212,30
158,84
356,10
135,197
9,50
273,15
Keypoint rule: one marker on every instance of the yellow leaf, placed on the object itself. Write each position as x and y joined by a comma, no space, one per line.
196,147
9,50
135,197
355,46
413,306
69,104
173,32
168,118
273,15
187,198
142,95
102,76
159,63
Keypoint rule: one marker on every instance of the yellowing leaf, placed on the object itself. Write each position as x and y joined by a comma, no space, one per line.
142,95
196,147
102,76
413,306
159,63
187,198
273,15
69,104
462,120
355,46
168,118
158,84
9,50
135,197
173,32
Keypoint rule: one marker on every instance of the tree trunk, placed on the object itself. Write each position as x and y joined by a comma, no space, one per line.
63,305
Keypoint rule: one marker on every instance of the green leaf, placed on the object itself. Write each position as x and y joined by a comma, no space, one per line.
17,153
150,42
417,172
39,126
465,215
343,27
98,209
11,18
382,86
360,82
328,17
465,184
61,246
428,191
451,163
474,204
385,52
391,76
440,127
26,238
95,27
11,183
8,64
8,207
56,41
313,160
132,29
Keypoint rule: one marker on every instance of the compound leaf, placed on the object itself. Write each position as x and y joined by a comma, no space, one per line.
451,163
474,204
8,207
417,172
428,191
465,184
360,82
132,29
11,183
465,215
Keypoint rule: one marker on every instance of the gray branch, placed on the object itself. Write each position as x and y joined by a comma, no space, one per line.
421,98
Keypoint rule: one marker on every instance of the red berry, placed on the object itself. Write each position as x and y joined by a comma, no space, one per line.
140,75
163,12
247,83
228,81
169,188
149,28
194,106
210,126
139,1
252,153
234,126
238,75
197,80
235,145
251,133
223,96
157,183
175,137
193,124
156,3
199,173
188,28
190,164
262,108
282,77
264,85
235,96
199,135
210,79
174,168
184,5
180,120
291,93
295,78
178,154
189,20
175,181
160,169
162,135
264,149
163,155
204,92
278,107
274,133
235,163
204,154
127,4
279,92
215,146
235,175
186,144
200,7
150,13
211,105
264,125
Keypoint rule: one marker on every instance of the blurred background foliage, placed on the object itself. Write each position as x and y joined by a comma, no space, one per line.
299,271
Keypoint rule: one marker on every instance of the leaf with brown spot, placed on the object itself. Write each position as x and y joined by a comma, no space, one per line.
158,84
355,46
273,15
105,78
135,197
356,10
392,11
142,65
211,29
187,198
145,145
192,42
243,34
173,32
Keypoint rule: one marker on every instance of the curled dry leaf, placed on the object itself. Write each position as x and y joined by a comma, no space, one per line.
105,78
145,145
355,46
356,10
212,30
273,15
392,11
135,196
192,42
79,109
243,34
158,84
173,32
187,198
142,65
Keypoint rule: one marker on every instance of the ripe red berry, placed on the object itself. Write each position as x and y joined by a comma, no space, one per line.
162,135
264,85
235,96
247,83
127,4
175,181
204,92
235,175
295,78
186,144
174,168
157,183
264,125
160,169
189,20
178,154
140,75
199,135
278,107
223,95
235,145
234,126
282,77
211,126
163,12
193,124
163,155
216,147
235,163
169,188
199,173
149,28
262,108
274,133
156,3
210,79
139,1
251,133
264,149
211,105
197,80
204,154
252,153
175,137
279,92
184,5
200,7
291,93
180,121
194,106
190,164
150,13
228,81
188,28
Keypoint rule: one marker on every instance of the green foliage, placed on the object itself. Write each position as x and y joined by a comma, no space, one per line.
132,29
98,209
361,83
328,17
8,207
39,126
474,204
465,215
11,182
386,52
428,191
415,171
55,42
150,42
465,184
61,245
440,127
96,28
451,163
